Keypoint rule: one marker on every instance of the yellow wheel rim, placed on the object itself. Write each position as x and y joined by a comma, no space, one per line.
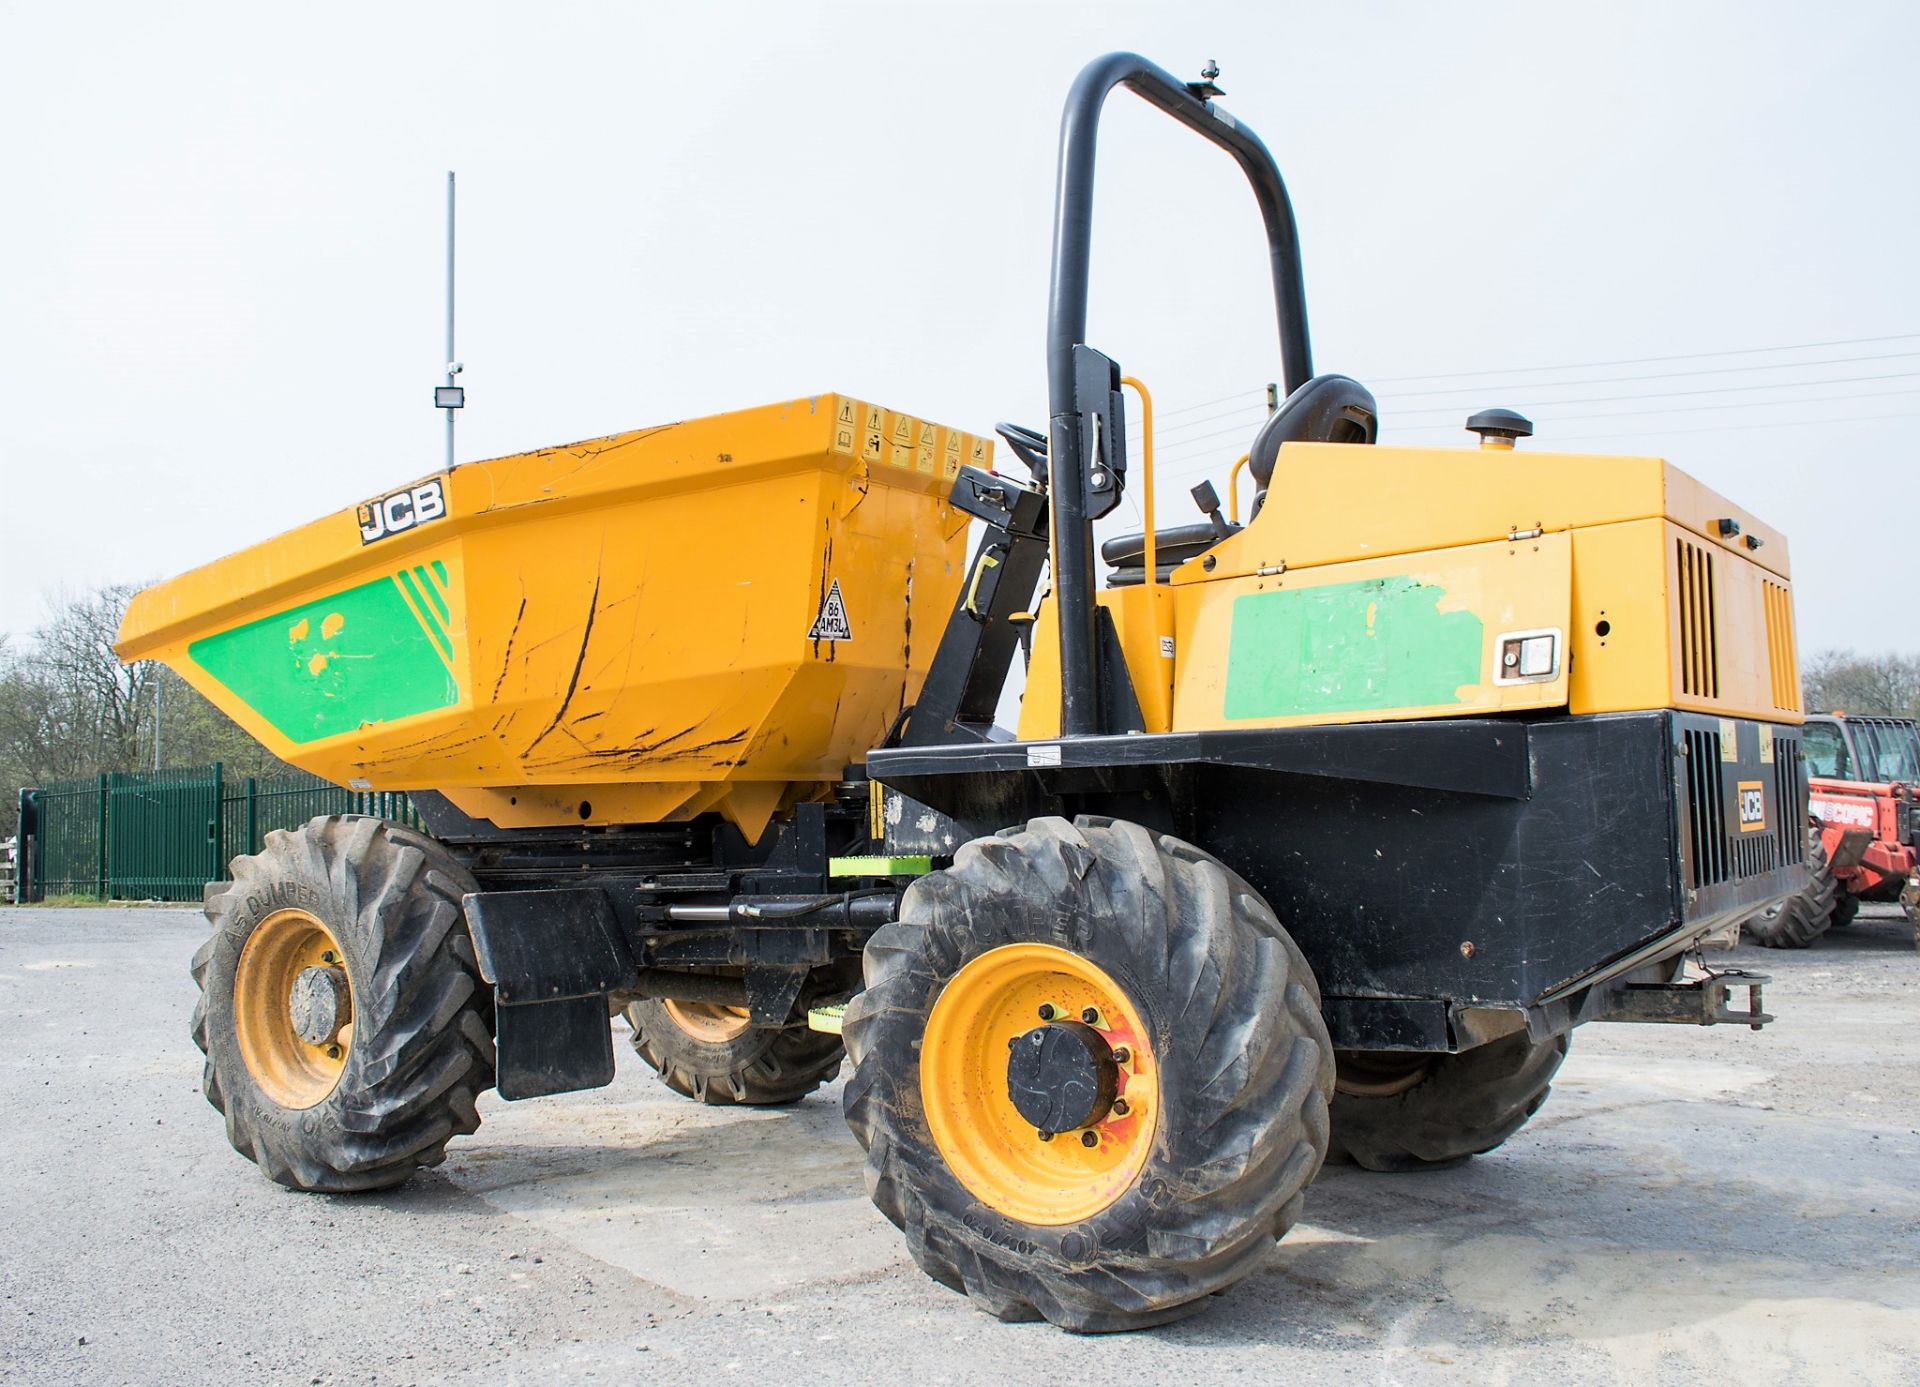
709,1022
1381,1076
991,1149
290,1070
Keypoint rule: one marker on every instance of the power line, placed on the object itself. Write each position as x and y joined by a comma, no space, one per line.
1258,392
1733,428
1224,399
1186,463
1687,409
1648,360
1658,375
1686,394
1197,463
1133,422
1187,450
1187,447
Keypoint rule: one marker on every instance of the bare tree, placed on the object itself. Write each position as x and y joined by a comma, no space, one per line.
69,708
99,698
1883,685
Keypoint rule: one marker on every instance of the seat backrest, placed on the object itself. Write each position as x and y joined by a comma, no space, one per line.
1327,409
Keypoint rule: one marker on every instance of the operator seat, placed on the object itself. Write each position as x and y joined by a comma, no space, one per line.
1327,409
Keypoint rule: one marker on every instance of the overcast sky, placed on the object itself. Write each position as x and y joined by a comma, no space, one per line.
221,248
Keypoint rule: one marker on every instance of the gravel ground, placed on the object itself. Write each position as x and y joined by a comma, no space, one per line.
1690,1204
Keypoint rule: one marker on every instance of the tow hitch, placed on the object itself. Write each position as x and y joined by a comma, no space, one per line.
1701,1001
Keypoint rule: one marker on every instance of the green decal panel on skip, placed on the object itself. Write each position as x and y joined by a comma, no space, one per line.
1348,647
374,653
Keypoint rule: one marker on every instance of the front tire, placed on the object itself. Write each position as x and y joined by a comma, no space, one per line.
1135,947
1395,1112
346,1029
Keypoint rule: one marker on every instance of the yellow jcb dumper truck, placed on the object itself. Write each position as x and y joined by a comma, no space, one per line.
1317,837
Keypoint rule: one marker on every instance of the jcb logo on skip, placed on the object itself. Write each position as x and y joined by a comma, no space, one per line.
402,510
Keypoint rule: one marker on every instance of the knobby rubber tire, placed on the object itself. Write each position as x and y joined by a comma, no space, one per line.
1461,1105
755,1068
1245,1072
422,1049
1805,915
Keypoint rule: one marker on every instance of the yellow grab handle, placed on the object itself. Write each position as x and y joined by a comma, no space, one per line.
973,589
1146,473
1233,489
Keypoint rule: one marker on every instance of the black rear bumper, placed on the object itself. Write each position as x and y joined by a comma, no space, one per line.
1435,873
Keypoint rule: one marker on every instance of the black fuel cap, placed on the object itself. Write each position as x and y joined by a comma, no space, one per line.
1061,1076
1500,423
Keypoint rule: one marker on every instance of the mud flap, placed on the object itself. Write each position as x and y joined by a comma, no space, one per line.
552,957
553,1047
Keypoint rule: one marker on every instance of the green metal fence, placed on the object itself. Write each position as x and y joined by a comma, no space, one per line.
162,835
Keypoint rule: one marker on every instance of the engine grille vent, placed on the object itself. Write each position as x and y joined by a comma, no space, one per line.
1706,809
1699,651
1783,662
1720,853
1790,793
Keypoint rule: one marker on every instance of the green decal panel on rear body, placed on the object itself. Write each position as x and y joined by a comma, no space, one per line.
1380,643
373,653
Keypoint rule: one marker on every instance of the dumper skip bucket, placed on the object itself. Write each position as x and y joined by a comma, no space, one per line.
715,615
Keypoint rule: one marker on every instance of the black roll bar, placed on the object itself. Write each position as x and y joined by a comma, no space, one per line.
1073,577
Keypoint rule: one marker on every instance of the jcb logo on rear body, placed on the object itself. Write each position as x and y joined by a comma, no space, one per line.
1753,806
400,511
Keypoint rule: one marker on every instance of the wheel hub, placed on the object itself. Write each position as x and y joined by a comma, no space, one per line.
293,1008
1062,1076
320,1004
1049,1125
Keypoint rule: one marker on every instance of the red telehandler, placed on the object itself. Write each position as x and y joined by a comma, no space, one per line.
1863,774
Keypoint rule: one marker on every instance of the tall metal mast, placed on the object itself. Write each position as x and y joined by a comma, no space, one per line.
450,396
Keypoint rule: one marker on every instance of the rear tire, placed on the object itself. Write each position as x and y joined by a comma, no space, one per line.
1804,916
723,1065
1232,1061
1421,1112
377,907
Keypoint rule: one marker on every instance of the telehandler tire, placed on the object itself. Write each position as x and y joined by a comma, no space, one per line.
709,1054
1172,1031
1428,1112
1807,914
346,1027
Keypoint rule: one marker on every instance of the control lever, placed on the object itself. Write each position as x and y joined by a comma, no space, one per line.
1205,497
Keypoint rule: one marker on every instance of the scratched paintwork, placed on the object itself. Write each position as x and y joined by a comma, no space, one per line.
622,624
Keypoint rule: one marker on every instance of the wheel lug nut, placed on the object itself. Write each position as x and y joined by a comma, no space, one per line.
1089,1139
1120,1107
1089,1015
1046,1136
328,957
333,1052
1046,1011
1121,1054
